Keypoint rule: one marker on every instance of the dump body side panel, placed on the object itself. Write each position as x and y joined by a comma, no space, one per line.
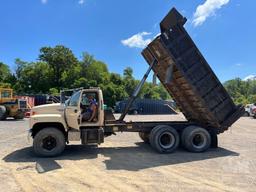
188,78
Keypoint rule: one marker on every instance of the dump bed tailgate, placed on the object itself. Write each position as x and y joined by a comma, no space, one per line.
188,78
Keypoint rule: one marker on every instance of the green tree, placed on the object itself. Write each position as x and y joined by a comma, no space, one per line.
5,85
242,92
162,92
4,72
87,60
128,72
54,91
33,77
129,81
98,71
20,65
113,93
60,59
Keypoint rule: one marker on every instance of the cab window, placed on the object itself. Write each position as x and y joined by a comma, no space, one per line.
74,99
6,94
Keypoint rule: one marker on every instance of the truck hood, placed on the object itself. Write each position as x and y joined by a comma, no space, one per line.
55,108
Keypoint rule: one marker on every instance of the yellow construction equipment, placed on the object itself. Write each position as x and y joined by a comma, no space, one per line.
11,106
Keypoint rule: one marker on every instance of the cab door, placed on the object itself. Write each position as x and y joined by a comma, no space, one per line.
73,111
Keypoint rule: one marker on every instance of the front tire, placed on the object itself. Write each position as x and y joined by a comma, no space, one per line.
19,116
196,139
164,139
49,142
3,113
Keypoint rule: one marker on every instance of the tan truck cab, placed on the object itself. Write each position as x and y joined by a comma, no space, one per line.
66,118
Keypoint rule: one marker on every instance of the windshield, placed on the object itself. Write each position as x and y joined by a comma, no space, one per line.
6,94
73,101
67,102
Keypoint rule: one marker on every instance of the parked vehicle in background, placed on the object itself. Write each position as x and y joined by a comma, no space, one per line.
249,109
254,112
11,106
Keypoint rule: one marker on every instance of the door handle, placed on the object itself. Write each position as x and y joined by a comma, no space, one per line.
75,110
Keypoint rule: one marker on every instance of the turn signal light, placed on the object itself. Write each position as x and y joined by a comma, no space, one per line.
33,113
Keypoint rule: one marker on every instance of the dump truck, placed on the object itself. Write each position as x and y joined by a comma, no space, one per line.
187,77
11,106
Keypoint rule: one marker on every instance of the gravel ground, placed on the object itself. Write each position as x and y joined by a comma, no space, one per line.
124,163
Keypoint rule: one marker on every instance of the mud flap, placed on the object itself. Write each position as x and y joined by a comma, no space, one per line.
214,140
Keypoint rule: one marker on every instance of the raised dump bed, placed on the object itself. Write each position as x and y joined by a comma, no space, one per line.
188,78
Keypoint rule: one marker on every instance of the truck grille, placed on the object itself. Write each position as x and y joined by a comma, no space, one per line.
22,104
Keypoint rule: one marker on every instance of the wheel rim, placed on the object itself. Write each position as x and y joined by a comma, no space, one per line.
49,143
199,140
166,140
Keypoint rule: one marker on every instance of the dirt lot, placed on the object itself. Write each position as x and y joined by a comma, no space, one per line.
124,163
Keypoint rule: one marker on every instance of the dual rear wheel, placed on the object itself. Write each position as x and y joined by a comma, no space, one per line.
165,139
196,139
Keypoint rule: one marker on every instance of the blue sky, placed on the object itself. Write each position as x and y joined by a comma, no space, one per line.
115,30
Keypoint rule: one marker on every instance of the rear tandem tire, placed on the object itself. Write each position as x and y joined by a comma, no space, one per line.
49,142
196,139
2,113
164,139
144,136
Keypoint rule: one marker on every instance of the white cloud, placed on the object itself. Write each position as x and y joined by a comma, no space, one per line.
44,1
250,77
206,10
238,64
137,40
81,2
157,35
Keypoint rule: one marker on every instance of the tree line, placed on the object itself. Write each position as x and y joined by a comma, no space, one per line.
242,92
57,68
